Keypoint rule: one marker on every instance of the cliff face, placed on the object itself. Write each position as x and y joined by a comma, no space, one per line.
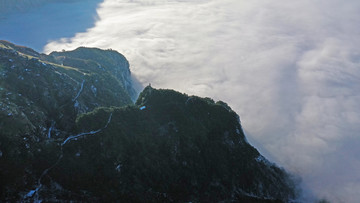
40,100
174,147
40,89
70,132
114,63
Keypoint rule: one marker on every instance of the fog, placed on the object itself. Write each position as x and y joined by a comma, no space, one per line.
290,69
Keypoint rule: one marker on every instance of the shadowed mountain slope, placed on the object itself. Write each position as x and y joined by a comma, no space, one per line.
70,132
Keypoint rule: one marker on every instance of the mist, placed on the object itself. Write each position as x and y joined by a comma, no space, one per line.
290,69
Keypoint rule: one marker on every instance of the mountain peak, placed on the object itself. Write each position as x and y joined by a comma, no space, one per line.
193,149
69,132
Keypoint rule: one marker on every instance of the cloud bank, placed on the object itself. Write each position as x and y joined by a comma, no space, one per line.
291,69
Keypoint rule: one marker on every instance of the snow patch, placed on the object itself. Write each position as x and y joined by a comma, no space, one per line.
74,137
31,193
50,129
143,107
261,159
80,90
118,168
76,105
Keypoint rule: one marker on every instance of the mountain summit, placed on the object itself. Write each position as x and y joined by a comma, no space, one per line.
70,132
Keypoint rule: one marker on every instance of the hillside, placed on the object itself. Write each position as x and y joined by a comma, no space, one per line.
35,86
40,100
69,131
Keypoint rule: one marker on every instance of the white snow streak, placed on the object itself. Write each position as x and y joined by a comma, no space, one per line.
32,192
50,129
79,92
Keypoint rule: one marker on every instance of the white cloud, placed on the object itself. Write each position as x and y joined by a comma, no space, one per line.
291,69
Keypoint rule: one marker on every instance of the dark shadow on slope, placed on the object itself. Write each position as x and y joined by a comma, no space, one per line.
306,194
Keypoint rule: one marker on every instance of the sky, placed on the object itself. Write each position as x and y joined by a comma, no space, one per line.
34,23
290,69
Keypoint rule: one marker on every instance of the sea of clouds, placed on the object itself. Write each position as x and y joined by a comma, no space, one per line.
291,69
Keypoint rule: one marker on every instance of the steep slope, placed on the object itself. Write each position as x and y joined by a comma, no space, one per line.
109,60
170,147
40,101
33,81
70,132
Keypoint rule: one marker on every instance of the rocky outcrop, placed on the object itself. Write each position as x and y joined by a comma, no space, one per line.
69,131
40,101
107,60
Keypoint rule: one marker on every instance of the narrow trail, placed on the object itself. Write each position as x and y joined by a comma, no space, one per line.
79,92
35,193
51,128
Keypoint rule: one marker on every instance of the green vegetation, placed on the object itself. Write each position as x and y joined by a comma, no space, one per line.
3,46
36,96
178,148
167,147
109,59
97,60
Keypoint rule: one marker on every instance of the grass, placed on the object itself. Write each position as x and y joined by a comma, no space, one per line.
178,145
4,46
61,66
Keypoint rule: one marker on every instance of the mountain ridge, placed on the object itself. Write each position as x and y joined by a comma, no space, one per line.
69,131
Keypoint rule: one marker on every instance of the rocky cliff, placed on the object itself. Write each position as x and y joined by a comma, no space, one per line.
69,131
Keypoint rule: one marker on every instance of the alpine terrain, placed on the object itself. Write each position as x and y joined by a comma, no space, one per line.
73,128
